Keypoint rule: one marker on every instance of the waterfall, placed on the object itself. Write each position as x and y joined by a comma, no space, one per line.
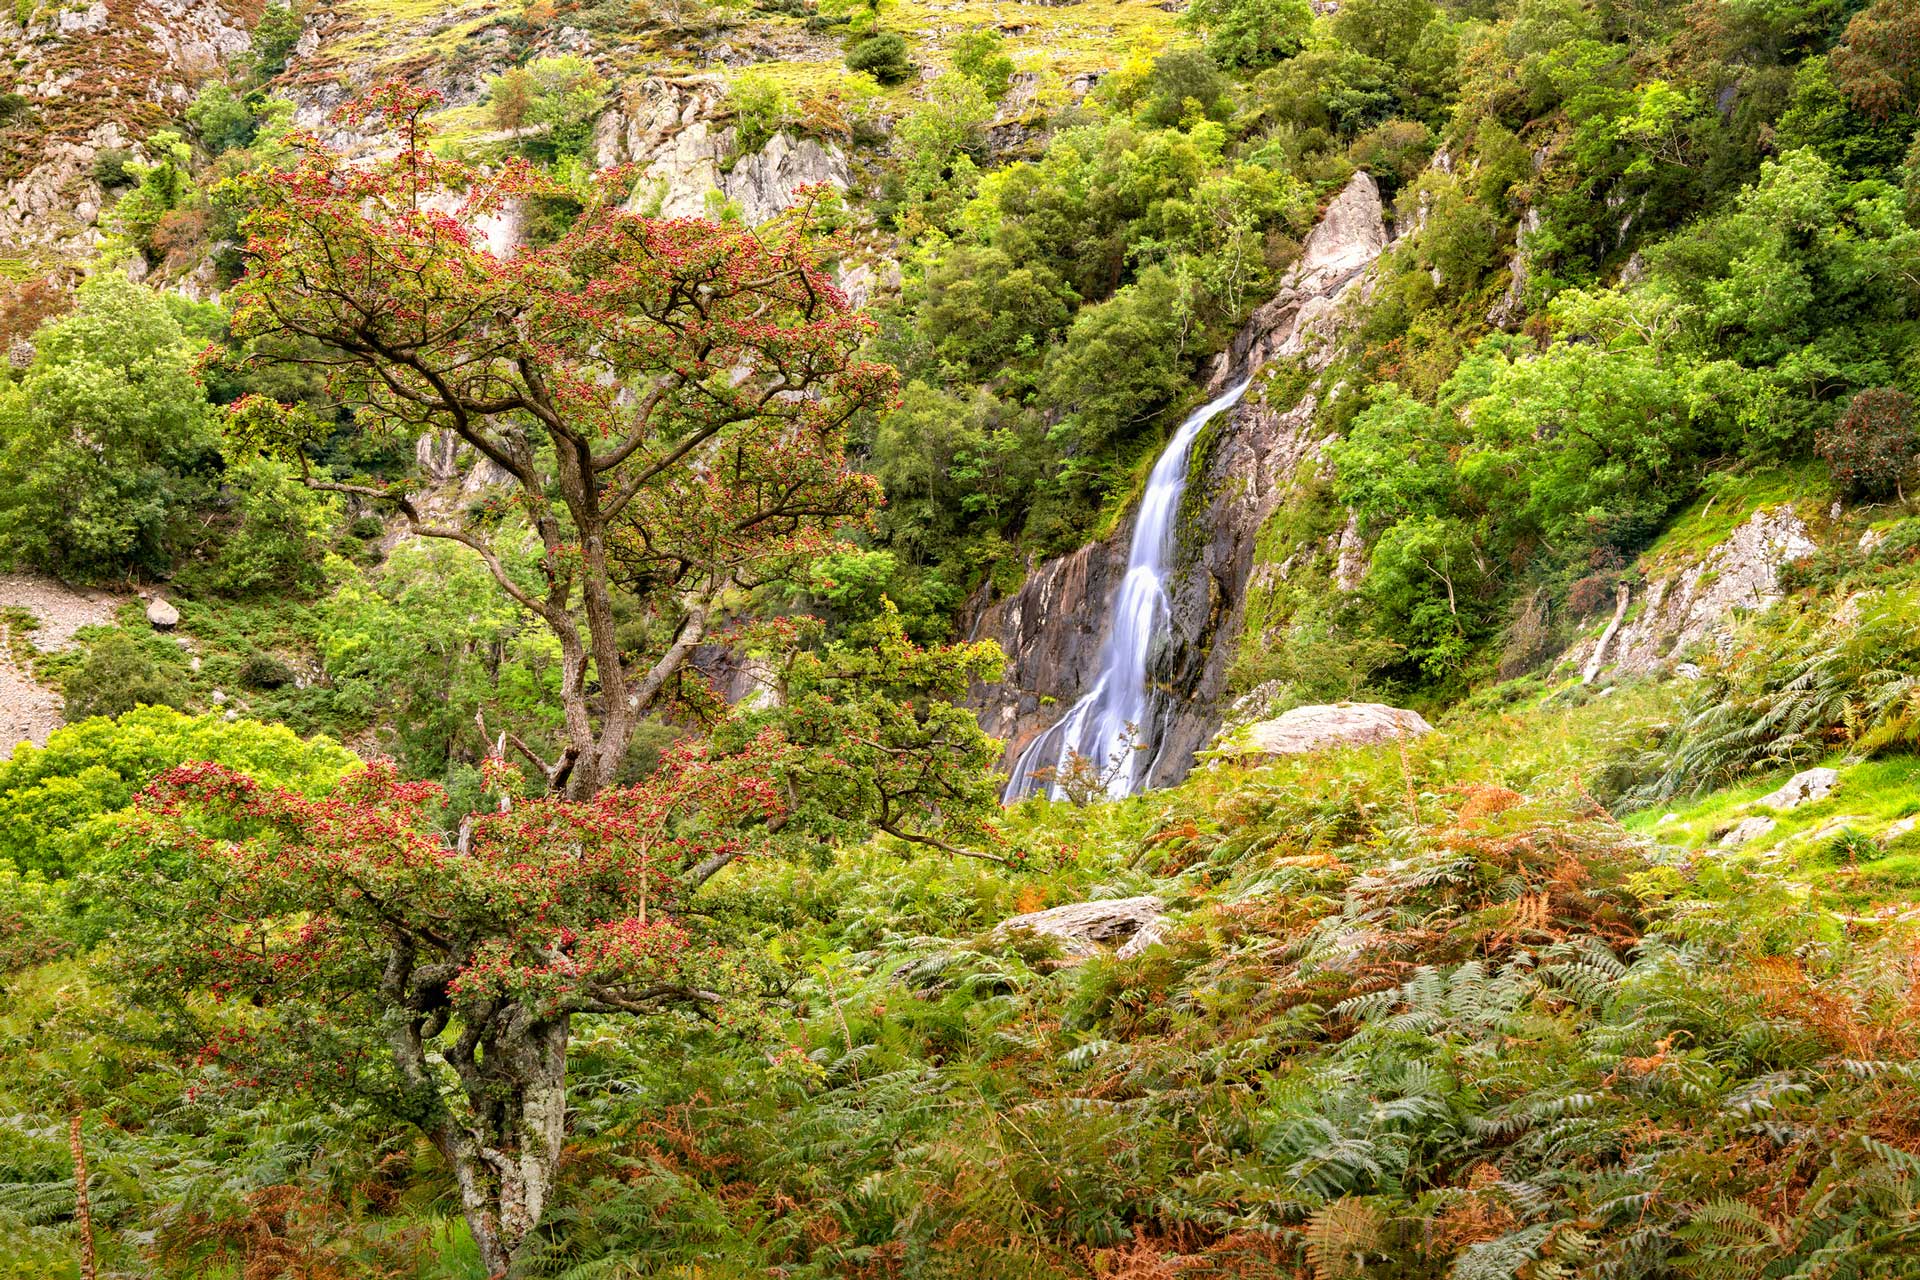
1107,726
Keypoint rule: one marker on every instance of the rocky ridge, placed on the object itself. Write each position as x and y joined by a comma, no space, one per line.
670,130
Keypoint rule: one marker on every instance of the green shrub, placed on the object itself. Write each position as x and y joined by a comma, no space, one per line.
264,671
222,120
122,671
419,645
163,186
107,448
110,167
274,37
53,798
1251,33
761,108
979,54
1184,79
883,56
278,543
562,96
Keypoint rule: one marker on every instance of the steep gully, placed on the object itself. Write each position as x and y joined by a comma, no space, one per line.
1141,696
1103,725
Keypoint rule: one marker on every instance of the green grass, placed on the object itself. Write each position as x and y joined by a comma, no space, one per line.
1875,793
1055,41
1859,860
1727,500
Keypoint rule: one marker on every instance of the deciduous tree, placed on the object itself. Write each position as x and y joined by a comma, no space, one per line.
354,949
1873,444
106,445
668,398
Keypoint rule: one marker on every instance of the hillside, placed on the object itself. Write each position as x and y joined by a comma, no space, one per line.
914,639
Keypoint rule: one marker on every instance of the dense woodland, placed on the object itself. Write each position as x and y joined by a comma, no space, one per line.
555,837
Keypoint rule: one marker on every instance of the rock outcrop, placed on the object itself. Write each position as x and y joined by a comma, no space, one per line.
1340,724
668,129
1350,235
455,475
1696,601
98,77
1052,627
1747,831
1809,786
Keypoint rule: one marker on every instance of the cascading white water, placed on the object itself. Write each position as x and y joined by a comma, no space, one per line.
1103,728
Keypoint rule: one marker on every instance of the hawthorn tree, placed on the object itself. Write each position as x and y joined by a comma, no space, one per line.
668,398
355,949
668,401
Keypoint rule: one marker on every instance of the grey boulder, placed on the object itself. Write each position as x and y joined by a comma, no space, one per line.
1316,728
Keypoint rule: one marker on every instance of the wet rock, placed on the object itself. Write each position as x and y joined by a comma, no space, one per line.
1809,786
1340,724
1130,925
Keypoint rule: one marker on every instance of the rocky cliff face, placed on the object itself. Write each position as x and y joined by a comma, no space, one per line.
1683,605
94,78
1053,626
668,128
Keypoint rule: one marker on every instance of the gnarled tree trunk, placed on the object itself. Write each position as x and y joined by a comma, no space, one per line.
512,1066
